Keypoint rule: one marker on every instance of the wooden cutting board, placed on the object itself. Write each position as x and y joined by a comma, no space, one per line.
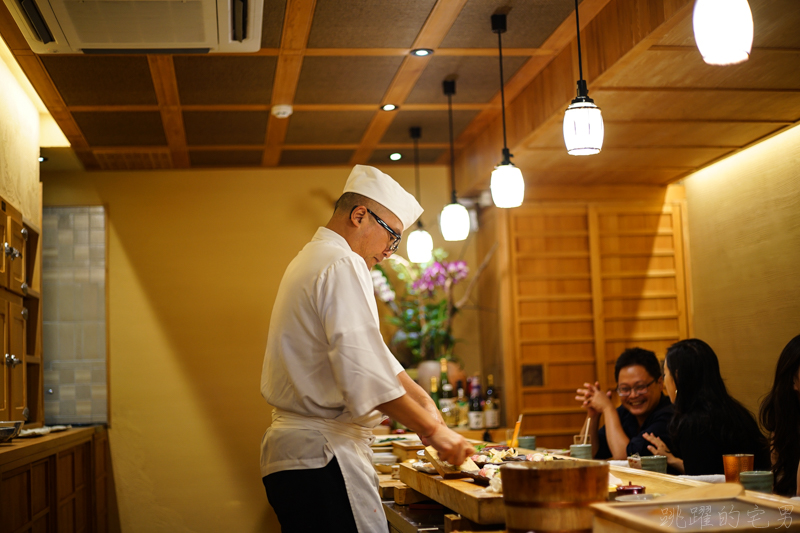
460,495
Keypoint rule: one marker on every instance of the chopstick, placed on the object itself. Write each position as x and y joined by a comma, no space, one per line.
513,443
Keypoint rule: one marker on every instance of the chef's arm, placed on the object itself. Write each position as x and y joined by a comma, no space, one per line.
418,394
451,446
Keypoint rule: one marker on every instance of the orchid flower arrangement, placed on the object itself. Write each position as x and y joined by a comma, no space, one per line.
424,307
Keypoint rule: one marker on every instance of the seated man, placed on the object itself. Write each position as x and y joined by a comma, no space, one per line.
643,409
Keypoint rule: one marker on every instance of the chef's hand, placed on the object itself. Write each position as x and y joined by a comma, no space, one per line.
593,399
451,446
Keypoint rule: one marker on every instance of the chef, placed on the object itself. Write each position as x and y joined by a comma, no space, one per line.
329,375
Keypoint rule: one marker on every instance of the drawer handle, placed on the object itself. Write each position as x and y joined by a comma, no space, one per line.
12,360
24,232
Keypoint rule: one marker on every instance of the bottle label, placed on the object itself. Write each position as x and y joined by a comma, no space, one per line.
492,417
447,402
476,420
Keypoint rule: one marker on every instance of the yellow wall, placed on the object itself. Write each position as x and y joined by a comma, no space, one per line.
744,231
195,258
19,148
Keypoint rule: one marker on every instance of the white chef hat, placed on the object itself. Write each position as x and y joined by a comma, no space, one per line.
374,184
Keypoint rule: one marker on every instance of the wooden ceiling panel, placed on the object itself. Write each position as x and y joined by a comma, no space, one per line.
272,23
225,158
209,80
315,157
134,160
434,124
643,159
381,157
535,177
327,127
477,78
345,80
367,23
530,23
759,106
101,80
227,128
774,24
121,128
684,68
665,134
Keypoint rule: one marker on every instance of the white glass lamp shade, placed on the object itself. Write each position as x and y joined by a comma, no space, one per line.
507,186
420,246
583,128
723,30
454,222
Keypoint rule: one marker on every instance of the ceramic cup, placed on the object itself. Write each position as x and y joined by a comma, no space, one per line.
581,451
654,463
758,480
735,463
528,442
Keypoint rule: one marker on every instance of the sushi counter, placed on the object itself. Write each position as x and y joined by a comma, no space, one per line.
568,494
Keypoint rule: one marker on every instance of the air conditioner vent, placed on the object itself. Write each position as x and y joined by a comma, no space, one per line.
136,26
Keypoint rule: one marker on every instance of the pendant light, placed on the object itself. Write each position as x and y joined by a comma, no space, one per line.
583,122
454,220
723,30
507,185
420,243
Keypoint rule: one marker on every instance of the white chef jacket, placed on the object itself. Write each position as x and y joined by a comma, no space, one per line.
325,355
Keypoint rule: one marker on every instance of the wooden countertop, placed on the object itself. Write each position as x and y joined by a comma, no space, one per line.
25,448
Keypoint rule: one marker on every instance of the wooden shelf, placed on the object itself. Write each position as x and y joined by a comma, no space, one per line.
33,360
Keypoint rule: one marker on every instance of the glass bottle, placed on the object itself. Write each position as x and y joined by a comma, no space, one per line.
463,406
445,393
491,406
476,420
435,391
448,406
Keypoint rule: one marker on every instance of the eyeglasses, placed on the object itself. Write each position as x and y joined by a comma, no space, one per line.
396,242
637,390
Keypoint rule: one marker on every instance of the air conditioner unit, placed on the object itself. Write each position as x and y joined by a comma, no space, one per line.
139,26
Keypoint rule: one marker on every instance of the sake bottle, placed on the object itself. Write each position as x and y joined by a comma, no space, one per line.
463,406
476,420
448,407
491,405
435,391
445,389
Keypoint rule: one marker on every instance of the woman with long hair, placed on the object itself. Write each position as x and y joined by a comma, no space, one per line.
780,416
708,422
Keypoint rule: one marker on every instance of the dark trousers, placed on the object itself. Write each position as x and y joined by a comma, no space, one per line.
311,500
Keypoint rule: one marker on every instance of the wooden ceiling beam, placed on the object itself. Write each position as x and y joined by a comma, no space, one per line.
162,70
267,107
296,28
558,41
614,34
441,19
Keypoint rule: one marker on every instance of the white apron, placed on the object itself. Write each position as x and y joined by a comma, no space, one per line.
350,445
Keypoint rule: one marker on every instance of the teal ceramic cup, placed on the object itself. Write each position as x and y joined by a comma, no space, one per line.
655,463
580,451
527,442
757,480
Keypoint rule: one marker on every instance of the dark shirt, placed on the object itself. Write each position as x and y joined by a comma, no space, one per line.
702,448
656,423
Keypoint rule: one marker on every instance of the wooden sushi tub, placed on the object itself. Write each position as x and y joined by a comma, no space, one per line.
476,504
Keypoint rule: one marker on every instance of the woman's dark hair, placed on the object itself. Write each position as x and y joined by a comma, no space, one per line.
780,415
641,357
702,402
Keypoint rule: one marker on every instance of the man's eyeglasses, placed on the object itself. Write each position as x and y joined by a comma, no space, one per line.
396,242
637,390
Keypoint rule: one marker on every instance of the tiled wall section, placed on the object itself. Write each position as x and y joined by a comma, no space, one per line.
73,279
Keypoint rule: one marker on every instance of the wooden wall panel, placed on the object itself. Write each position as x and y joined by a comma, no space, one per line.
587,282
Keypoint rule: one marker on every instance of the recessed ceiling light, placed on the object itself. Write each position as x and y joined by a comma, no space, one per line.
396,156
421,52
389,107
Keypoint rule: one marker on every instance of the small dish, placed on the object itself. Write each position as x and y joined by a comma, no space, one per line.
635,497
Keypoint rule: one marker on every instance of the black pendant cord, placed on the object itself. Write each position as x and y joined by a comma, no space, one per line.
502,94
452,149
578,25
416,175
